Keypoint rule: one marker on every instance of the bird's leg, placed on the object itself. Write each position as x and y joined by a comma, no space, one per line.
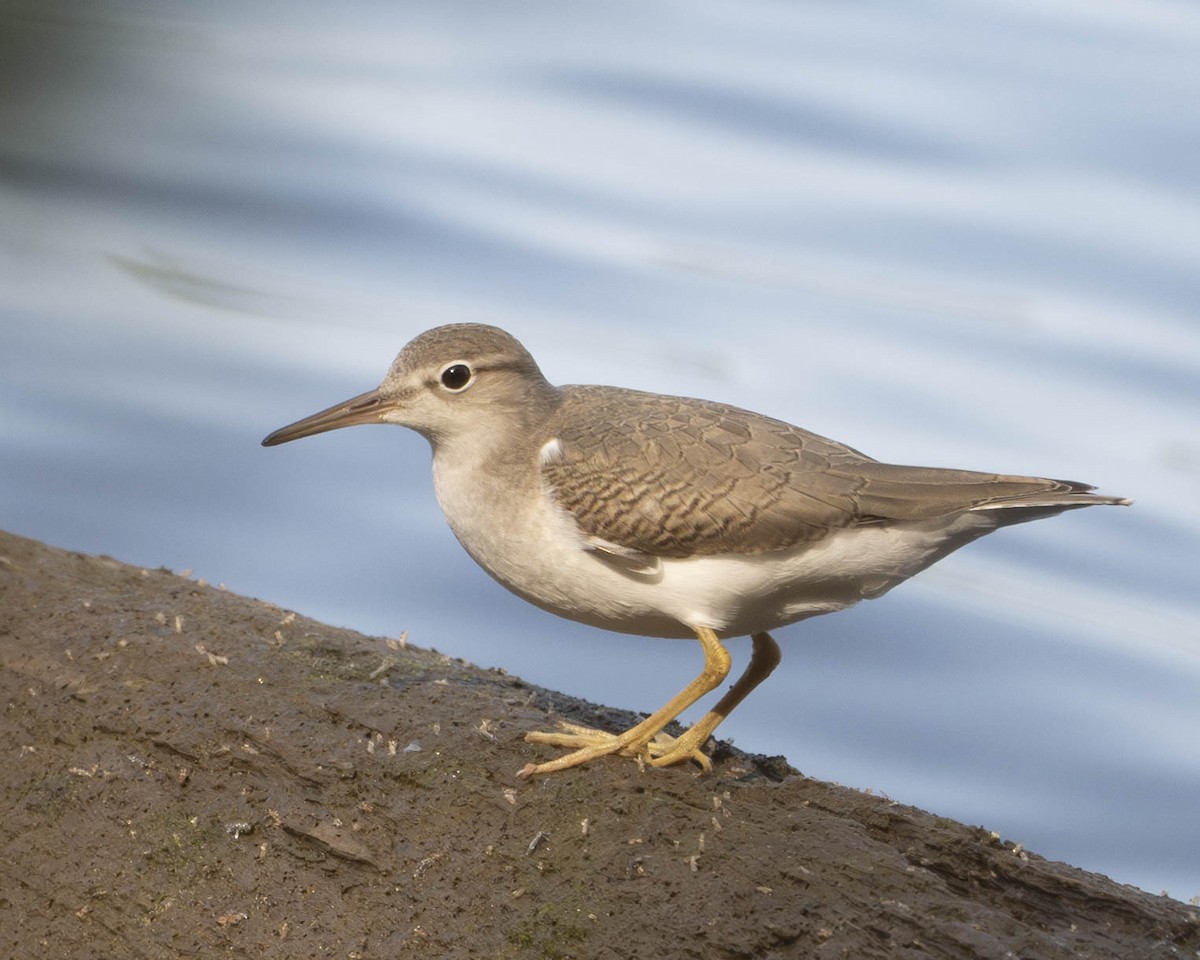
764,658
644,737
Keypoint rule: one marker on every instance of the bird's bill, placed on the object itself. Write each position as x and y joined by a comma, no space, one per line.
367,407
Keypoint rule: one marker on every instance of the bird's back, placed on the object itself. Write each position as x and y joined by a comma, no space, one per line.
676,477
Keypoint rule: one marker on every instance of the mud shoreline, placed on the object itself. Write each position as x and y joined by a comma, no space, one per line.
189,772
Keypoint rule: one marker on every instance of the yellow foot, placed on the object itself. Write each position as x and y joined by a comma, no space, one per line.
588,743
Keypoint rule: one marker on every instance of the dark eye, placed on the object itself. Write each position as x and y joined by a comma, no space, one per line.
457,376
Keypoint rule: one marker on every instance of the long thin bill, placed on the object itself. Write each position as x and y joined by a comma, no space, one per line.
367,407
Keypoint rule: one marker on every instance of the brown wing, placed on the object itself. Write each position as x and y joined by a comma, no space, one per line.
673,477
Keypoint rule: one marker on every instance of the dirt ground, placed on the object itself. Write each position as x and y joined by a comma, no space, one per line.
191,773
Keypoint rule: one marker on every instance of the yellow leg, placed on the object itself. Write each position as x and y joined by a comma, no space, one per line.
764,658
646,738
597,743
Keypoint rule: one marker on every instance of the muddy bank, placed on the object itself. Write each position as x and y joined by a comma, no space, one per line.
188,772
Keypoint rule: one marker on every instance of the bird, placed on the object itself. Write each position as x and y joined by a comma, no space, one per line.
666,516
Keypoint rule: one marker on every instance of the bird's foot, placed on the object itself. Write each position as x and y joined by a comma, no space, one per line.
659,750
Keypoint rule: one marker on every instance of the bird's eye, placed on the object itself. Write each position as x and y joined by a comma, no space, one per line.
457,377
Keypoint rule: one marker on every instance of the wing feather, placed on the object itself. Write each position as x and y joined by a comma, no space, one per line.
673,477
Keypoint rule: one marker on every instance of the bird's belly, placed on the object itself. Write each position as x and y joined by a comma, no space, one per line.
539,554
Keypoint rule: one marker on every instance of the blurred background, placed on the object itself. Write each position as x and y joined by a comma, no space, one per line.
959,234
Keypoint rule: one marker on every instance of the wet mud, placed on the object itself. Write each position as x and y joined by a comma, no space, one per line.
191,773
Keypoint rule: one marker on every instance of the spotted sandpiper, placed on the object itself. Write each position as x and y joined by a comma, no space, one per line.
668,517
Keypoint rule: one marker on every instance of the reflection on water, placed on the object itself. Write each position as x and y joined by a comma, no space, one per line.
972,243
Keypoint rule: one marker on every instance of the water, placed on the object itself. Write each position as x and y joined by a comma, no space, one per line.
959,234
